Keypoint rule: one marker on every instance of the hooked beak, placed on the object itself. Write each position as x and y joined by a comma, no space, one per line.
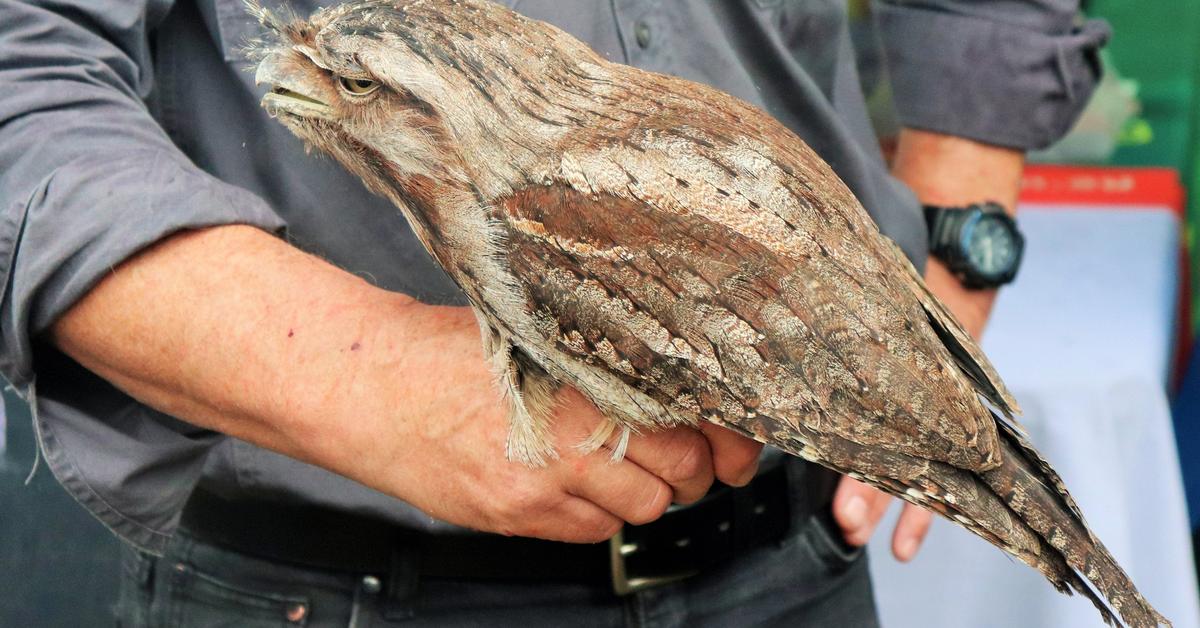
286,95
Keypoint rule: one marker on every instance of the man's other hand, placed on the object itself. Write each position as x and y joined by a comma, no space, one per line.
857,508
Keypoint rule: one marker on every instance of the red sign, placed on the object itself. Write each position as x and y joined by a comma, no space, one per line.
1080,185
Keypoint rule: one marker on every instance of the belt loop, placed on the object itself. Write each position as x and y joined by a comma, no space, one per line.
403,581
139,565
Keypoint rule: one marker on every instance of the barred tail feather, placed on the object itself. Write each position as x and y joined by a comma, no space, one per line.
1019,506
1038,499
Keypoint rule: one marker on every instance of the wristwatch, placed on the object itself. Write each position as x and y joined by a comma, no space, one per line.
979,243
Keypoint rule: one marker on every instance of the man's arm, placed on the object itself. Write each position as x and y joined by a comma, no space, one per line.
88,178
952,171
232,329
370,384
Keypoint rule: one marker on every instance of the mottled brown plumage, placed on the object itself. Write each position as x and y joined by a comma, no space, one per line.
677,256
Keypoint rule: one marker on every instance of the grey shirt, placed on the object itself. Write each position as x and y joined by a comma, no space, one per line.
123,121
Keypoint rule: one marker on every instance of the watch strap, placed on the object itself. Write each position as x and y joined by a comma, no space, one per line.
933,214
938,221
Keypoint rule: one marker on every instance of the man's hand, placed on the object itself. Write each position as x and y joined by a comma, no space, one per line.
459,472
232,329
857,508
941,170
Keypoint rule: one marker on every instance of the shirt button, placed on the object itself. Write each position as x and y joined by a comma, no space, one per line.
641,32
371,584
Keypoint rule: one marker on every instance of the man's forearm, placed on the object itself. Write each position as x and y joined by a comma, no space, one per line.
949,170
232,329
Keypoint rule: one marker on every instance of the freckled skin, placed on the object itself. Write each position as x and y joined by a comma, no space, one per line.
677,256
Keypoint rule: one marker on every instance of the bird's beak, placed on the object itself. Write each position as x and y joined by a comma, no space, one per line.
281,72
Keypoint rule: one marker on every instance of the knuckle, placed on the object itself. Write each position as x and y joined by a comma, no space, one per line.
692,459
745,458
737,474
602,528
737,466
522,500
651,508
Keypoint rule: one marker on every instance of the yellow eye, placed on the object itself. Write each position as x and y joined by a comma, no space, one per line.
358,86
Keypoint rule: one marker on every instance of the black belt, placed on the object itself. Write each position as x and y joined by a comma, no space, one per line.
684,541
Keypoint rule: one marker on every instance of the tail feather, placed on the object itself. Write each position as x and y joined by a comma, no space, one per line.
1020,506
1014,435
1040,501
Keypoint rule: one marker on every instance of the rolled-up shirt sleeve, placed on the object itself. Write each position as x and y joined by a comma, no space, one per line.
1005,72
88,178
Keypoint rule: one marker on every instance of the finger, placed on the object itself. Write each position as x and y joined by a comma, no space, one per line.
680,457
735,457
857,508
622,488
911,529
879,507
575,520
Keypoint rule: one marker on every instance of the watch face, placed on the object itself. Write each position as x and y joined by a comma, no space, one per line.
991,246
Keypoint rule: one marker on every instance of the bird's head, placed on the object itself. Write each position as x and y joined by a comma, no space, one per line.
345,83
402,90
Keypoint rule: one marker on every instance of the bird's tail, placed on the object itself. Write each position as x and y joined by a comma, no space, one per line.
1021,506
1065,546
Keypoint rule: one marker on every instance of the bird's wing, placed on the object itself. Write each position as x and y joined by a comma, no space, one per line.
657,283
967,354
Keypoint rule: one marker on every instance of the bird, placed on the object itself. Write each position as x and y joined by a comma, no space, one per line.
675,254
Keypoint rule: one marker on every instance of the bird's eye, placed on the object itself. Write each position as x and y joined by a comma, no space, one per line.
357,86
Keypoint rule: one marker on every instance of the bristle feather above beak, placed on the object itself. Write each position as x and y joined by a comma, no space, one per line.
268,18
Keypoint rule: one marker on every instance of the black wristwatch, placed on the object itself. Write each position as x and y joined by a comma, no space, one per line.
979,243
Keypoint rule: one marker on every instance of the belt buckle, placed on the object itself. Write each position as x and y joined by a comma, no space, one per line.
622,582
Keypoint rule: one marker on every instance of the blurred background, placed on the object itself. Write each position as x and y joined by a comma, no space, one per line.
1095,339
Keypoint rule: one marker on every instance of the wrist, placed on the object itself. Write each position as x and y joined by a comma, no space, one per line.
970,306
945,170
339,358
411,372
949,171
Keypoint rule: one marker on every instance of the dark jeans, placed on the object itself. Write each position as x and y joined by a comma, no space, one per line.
808,579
